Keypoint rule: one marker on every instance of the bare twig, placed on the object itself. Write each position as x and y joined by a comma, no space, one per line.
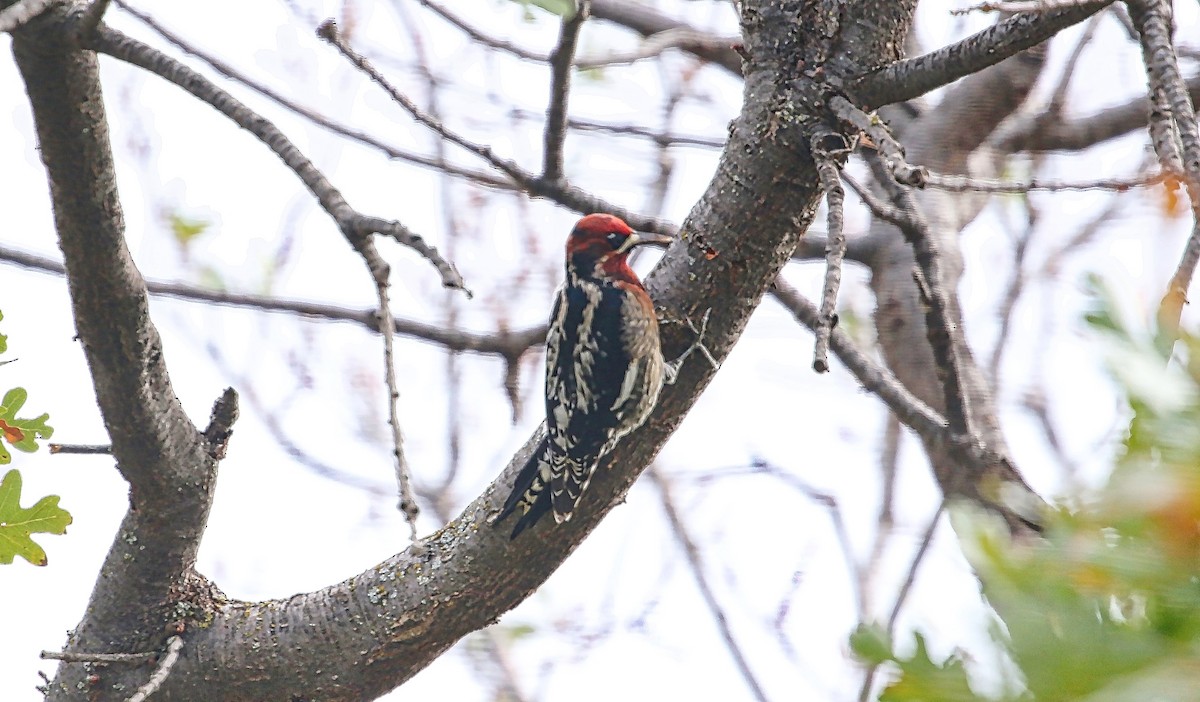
883,210
889,463
509,345
354,225
78,657
961,184
380,271
1012,293
560,191
696,563
902,595
881,136
481,38
1173,118
659,137
654,45
81,449
945,337
647,20
835,251
1019,6
560,87
361,137
917,415
16,15
91,17
174,645
911,576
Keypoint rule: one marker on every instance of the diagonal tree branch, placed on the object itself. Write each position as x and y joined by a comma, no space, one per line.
354,225
911,78
1173,119
561,67
158,450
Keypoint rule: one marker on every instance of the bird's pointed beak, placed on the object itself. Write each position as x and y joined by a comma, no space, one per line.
643,238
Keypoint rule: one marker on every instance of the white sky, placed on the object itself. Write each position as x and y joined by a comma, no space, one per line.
278,529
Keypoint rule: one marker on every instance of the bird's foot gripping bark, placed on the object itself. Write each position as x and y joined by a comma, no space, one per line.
672,368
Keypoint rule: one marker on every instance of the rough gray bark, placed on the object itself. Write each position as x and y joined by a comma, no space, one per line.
360,638
951,139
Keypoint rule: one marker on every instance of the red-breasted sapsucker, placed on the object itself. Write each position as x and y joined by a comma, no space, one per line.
604,369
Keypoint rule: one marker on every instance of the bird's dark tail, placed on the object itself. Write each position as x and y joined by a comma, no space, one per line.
530,494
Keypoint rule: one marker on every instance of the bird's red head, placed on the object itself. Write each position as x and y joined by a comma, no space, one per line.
600,243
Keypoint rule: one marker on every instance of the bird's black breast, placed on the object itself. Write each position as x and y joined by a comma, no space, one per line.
587,359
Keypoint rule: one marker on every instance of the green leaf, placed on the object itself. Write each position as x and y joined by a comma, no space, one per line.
870,643
922,680
563,8
21,433
3,339
16,524
184,228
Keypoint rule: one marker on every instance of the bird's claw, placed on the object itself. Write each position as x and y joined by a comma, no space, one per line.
672,368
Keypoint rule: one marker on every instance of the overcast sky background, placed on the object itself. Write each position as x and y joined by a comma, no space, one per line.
622,617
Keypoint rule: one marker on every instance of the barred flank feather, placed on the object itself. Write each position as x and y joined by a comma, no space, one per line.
604,370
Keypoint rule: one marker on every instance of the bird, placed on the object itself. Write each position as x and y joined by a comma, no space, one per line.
604,369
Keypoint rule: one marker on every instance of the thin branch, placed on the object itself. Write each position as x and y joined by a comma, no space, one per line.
926,540
1152,18
1019,6
886,144
910,78
876,379
648,21
911,576
883,210
353,224
481,38
1058,98
15,16
696,563
92,16
329,32
1012,293
1083,132
561,192
560,88
835,251
961,184
889,462
79,657
685,38
509,345
940,319
361,137
380,272
81,449
174,645
662,138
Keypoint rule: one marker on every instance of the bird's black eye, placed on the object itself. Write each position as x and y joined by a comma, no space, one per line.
616,239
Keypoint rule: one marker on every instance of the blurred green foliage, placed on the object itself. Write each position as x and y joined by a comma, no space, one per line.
1105,608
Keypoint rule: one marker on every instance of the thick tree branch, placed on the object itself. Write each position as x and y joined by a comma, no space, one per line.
158,450
1081,133
911,78
948,140
377,629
